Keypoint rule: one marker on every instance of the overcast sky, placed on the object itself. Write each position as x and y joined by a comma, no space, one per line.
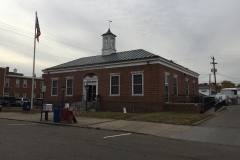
189,32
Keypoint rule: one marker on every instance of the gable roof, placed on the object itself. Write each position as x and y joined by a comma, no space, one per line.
100,59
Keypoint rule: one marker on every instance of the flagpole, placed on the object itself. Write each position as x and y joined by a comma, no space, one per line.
33,62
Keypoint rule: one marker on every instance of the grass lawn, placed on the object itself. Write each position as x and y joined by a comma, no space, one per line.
19,109
158,117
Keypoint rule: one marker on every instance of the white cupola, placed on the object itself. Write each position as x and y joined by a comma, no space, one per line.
109,43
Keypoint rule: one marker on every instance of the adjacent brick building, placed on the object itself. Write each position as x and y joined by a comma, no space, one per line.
13,84
134,80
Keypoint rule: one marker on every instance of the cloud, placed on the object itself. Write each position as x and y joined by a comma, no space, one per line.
173,29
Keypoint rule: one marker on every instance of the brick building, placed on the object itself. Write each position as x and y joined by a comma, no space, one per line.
13,84
134,79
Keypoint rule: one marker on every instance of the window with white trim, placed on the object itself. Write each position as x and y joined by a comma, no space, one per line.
167,87
114,85
112,42
69,88
54,88
16,94
7,82
175,84
17,83
106,42
35,84
187,87
137,84
34,95
24,83
41,95
41,84
194,88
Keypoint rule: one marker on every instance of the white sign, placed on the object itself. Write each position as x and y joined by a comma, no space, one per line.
47,107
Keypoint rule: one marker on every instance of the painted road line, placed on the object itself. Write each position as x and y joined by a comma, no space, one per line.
117,135
20,124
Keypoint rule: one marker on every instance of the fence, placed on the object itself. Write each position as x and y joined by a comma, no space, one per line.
185,99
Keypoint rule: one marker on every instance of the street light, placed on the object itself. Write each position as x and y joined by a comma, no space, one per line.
87,88
63,89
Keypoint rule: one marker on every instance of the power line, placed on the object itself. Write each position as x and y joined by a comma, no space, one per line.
31,51
43,38
227,76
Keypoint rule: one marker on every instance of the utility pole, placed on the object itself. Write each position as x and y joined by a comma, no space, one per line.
214,72
210,85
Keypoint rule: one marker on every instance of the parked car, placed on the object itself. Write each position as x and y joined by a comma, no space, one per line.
8,100
20,101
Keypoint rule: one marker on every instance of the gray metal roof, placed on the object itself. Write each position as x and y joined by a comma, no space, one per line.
114,57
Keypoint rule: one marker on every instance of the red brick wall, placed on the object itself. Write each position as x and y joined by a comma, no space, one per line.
154,86
2,73
20,90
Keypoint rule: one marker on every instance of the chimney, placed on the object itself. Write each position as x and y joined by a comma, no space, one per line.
15,70
7,70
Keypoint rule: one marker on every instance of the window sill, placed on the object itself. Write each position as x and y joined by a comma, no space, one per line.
140,95
114,95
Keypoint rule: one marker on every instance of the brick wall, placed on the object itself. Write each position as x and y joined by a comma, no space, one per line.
154,86
2,73
12,89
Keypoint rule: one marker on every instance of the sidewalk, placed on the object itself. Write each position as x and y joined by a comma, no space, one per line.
156,129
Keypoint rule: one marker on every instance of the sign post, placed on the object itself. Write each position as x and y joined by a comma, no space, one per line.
43,91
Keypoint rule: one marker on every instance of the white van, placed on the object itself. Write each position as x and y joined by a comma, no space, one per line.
20,101
232,93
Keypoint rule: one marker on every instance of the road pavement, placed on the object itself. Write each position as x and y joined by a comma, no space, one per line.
36,141
224,128
221,129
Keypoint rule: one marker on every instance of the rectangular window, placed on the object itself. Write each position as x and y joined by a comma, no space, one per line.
34,95
41,95
167,87
16,95
69,89
187,88
7,82
17,83
24,83
35,84
115,85
54,87
137,84
194,88
24,95
42,84
175,81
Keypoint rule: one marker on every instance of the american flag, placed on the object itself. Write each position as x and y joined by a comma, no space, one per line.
38,29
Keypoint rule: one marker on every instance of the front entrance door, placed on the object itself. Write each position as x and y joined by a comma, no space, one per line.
91,93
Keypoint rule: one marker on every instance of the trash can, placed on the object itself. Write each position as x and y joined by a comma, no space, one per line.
26,107
59,106
56,115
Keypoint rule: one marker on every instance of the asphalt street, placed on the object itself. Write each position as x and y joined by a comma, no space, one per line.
221,129
28,140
